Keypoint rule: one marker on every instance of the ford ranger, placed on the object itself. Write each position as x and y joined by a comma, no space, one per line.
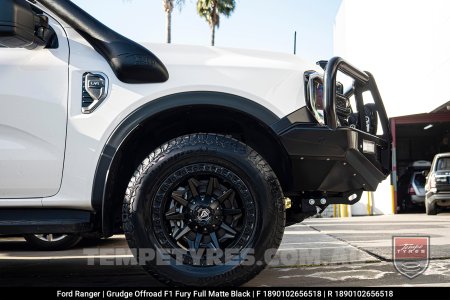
200,155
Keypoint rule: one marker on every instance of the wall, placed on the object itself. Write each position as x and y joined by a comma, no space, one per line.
405,44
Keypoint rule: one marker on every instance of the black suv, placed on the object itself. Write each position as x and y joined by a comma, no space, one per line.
438,184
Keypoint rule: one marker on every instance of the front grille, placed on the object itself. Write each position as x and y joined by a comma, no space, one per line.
343,109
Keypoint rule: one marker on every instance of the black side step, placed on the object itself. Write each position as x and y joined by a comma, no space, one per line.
23,221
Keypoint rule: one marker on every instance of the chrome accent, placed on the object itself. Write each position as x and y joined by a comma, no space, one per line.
312,97
97,93
50,237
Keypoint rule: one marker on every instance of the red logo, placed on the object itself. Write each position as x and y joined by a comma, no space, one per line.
411,255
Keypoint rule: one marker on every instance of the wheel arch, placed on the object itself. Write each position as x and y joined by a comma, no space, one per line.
173,116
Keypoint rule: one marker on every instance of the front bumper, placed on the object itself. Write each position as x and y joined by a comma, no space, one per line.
435,197
331,160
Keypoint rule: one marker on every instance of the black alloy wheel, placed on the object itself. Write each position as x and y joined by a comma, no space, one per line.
206,210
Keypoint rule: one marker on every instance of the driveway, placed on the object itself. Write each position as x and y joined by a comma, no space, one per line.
319,252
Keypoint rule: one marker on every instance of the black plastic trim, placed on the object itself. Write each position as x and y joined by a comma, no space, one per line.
131,122
300,116
131,62
28,221
17,24
332,160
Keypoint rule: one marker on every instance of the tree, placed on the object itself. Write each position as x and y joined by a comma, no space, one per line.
211,11
168,8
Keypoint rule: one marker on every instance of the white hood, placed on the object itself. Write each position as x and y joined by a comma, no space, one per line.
275,80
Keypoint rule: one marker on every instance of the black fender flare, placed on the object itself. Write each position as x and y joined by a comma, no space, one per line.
146,111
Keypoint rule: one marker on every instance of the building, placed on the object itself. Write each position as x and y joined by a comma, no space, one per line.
405,44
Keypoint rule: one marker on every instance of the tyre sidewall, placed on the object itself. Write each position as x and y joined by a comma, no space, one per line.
235,157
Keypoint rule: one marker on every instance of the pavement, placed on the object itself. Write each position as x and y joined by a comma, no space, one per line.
357,251
318,252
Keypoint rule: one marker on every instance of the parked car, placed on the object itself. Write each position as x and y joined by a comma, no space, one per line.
411,186
59,241
52,241
194,152
438,184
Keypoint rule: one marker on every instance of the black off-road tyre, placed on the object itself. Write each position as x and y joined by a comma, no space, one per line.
197,197
56,243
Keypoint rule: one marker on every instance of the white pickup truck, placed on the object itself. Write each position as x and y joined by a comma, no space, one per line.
199,155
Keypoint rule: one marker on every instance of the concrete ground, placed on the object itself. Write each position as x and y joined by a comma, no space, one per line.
319,252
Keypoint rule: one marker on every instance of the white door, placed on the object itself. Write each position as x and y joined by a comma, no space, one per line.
33,117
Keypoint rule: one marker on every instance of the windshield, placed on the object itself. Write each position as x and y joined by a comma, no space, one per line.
443,164
419,180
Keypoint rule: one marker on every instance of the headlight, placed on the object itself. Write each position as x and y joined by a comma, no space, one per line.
315,97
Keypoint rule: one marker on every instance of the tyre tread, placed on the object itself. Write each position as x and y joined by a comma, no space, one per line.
210,140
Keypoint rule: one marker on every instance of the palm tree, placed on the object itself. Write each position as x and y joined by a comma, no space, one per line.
211,11
168,8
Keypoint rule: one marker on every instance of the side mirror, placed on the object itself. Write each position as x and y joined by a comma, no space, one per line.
21,27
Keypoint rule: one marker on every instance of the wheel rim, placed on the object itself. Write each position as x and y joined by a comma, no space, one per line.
50,237
203,207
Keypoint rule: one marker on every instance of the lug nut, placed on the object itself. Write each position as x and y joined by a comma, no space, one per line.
323,201
312,201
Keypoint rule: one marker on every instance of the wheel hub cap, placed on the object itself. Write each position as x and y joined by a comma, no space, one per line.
205,215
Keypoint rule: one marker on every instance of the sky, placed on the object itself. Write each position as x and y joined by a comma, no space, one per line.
255,24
